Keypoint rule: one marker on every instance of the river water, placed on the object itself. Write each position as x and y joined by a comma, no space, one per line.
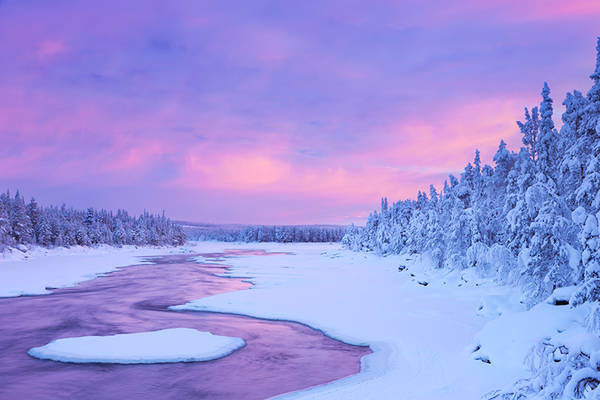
279,357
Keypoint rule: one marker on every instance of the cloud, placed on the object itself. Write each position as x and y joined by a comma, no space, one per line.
304,111
48,49
235,171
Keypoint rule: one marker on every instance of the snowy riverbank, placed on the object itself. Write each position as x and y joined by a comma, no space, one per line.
434,333
31,272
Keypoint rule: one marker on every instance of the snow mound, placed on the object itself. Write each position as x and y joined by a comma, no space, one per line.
506,341
163,346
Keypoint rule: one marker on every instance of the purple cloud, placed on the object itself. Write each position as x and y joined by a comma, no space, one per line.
274,112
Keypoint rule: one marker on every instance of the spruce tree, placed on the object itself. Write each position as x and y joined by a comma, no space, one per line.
547,141
530,131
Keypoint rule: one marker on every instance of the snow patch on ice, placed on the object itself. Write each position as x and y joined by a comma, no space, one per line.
163,346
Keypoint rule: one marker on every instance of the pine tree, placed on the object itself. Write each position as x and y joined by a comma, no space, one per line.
548,264
5,238
519,179
504,163
530,131
119,237
44,233
489,207
33,213
477,162
434,242
21,228
592,123
577,144
383,235
547,141
588,193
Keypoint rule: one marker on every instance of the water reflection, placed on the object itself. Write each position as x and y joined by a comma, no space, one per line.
279,356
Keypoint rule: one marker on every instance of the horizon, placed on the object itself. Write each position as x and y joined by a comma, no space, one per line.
271,114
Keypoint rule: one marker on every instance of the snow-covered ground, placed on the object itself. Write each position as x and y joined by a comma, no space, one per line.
31,272
166,345
434,334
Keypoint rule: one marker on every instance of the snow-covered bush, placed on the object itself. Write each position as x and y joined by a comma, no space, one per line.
502,263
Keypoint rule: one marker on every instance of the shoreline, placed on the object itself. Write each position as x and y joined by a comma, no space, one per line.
39,270
418,335
149,309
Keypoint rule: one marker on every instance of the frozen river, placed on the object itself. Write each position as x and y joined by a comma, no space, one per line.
279,356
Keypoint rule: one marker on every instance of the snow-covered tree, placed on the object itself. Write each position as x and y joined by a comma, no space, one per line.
33,213
5,229
546,264
27,224
547,141
577,145
532,220
21,228
530,130
592,110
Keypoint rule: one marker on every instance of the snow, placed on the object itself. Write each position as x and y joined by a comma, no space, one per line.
421,336
562,294
163,346
33,271
459,337
579,215
507,340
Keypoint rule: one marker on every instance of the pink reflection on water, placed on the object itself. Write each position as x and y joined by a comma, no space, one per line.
279,356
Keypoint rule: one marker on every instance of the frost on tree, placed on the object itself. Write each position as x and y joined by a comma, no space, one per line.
531,219
278,233
27,224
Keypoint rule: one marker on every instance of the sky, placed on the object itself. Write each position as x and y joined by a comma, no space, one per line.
274,112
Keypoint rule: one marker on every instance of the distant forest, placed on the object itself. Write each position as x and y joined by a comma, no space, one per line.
265,233
24,223
27,223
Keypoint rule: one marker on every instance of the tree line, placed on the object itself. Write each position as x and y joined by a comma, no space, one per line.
266,233
28,223
531,220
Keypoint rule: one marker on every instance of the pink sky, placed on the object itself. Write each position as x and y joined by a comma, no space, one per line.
271,112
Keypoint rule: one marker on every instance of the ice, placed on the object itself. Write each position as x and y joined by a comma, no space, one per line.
163,346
